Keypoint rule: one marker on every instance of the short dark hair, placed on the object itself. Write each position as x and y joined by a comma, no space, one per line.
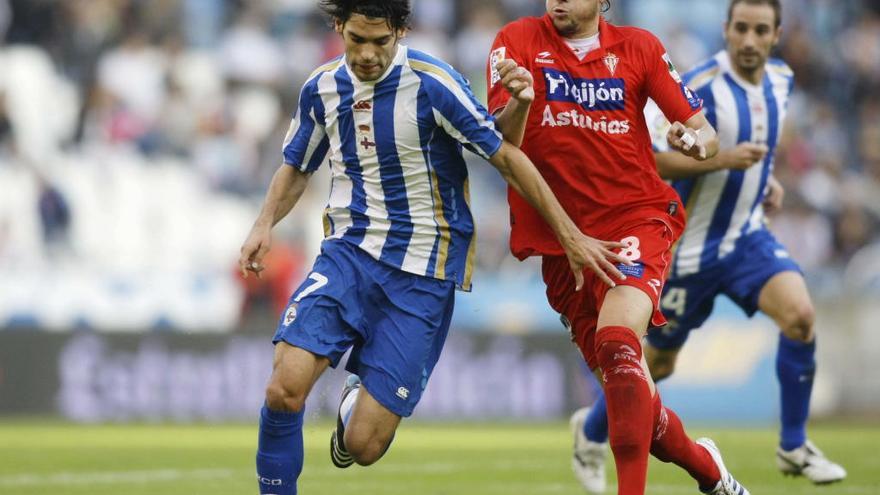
775,4
396,12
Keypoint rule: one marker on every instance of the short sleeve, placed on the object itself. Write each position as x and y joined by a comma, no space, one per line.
665,86
658,127
306,144
457,111
502,49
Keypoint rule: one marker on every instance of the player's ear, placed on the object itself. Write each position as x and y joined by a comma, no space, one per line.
338,26
777,37
401,33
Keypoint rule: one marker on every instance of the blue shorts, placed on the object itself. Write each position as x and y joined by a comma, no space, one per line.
395,321
687,301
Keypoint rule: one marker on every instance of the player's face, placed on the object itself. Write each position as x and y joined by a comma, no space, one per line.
370,45
751,34
573,18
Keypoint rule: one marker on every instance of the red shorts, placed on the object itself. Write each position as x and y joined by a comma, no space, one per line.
650,249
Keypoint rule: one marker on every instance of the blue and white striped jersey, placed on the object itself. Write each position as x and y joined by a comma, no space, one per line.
399,185
724,205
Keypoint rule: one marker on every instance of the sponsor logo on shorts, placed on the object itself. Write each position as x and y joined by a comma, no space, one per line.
403,393
637,270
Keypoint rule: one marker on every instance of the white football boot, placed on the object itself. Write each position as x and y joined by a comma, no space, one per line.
588,460
808,461
727,485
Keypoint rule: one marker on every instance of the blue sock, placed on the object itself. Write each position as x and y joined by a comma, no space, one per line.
280,451
596,425
795,368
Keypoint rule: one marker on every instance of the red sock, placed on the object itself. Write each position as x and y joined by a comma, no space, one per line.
671,444
628,398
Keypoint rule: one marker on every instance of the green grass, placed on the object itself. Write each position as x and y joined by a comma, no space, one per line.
426,459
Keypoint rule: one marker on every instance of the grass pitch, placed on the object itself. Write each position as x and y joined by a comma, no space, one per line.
426,459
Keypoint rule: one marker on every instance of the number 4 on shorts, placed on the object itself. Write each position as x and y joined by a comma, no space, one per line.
674,300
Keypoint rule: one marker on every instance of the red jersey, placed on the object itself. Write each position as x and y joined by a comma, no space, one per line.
586,130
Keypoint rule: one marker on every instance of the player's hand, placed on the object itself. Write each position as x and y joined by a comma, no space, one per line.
254,249
598,256
518,81
775,196
686,141
743,156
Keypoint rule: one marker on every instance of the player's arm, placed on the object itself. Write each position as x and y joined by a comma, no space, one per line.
285,190
518,81
673,165
582,251
305,149
774,197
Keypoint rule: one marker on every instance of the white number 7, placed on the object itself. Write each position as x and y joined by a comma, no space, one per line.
320,281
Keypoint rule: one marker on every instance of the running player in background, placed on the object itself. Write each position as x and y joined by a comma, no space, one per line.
571,89
399,235
726,248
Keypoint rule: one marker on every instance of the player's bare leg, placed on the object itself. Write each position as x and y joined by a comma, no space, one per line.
280,450
370,429
786,300
294,373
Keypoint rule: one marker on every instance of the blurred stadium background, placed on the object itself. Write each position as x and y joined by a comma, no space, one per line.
136,141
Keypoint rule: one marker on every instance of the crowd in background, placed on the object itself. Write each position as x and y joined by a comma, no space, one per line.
212,84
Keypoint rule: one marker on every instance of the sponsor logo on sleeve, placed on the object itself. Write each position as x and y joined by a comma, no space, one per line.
496,56
672,71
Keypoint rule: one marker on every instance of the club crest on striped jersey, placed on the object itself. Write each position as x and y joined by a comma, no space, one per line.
611,60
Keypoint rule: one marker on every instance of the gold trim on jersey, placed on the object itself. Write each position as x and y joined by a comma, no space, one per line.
433,69
443,225
329,66
704,77
326,221
472,249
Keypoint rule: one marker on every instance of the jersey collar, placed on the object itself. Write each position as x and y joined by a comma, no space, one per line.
609,36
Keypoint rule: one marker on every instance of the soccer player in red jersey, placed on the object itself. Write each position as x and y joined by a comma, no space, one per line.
570,88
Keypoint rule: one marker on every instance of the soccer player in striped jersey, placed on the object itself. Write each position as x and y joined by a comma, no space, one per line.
726,247
399,235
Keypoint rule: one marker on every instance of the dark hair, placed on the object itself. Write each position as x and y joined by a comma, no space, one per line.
396,12
777,8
